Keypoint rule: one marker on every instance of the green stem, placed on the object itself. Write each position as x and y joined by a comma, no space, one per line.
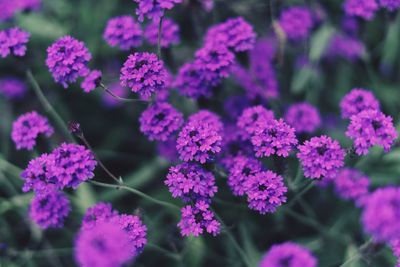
164,251
48,107
159,37
137,192
299,195
360,251
108,91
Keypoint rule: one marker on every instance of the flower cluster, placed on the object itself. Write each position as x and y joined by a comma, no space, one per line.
361,8
169,33
144,74
160,121
254,116
10,8
154,9
369,128
288,254
352,184
296,22
241,169
303,117
27,128
321,157
346,47
13,41
123,32
390,5
12,88
100,211
91,81
357,100
214,59
67,59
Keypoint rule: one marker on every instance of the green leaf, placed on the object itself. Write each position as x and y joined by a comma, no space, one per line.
319,42
195,251
391,43
41,26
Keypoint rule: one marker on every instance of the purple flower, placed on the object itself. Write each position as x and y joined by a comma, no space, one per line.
369,128
361,8
12,88
67,59
160,121
381,216
74,164
104,245
288,254
240,171
26,129
265,191
167,150
123,32
357,100
49,210
199,140
390,5
190,182
192,81
254,116
350,25
264,50
10,8
349,48
351,184
154,9
198,218
235,33
100,211
303,117
91,81
207,117
321,157
144,74
273,137
169,33
296,22
118,90
13,41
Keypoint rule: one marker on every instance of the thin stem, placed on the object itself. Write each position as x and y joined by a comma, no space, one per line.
360,251
137,192
299,195
48,107
159,37
108,91
164,251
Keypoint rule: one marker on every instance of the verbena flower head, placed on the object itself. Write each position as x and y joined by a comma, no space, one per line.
100,211
12,88
357,100
254,116
240,171
192,81
265,191
190,182
371,128
235,33
207,117
49,210
67,59
288,254
169,33
160,121
74,164
303,117
10,8
296,22
27,128
197,219
273,137
321,157
118,90
144,74
123,32
346,47
361,8
390,5
381,214
351,184
214,59
199,140
91,81
104,245
13,42
154,9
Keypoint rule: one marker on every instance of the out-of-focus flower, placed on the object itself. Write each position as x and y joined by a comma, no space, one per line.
369,128
167,150
352,184
357,100
390,5
169,33
26,129
100,211
296,22
349,48
321,157
154,9
91,81
197,219
12,88
13,42
144,74
288,254
123,32
10,8
67,59
303,117
361,8
49,210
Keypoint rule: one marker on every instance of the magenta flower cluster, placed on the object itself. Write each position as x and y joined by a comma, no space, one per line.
13,42
169,33
303,117
351,184
123,32
154,9
296,22
288,254
12,88
91,81
361,8
357,100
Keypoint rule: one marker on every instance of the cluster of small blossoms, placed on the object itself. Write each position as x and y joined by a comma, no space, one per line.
13,42
357,100
390,5
169,33
144,74
288,254
395,246
10,8
12,88
154,9
351,184
91,81
347,47
27,128
303,117
160,121
296,22
254,116
361,8
123,32
67,59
